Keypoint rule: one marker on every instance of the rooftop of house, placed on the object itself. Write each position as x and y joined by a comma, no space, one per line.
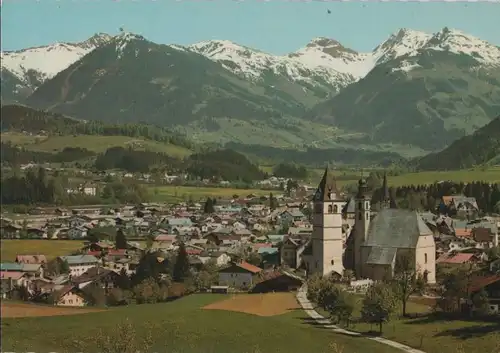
31,259
459,258
79,259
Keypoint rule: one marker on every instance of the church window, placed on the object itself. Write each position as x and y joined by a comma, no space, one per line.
332,262
425,258
360,205
360,216
330,209
367,216
367,205
335,209
426,276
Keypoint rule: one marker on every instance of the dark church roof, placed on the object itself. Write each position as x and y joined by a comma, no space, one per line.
350,206
327,185
396,228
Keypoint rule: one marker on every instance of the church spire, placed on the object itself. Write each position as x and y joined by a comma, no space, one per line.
386,196
327,188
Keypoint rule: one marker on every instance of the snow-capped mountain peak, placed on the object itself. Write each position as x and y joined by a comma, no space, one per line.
329,46
123,39
404,42
96,40
456,41
45,62
234,57
252,63
323,62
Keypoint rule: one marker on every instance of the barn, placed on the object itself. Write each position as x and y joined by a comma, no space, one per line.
277,281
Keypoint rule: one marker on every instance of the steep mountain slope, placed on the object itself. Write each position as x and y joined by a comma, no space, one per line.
482,147
132,79
12,88
444,89
33,66
317,78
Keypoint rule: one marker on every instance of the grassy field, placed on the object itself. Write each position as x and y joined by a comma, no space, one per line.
18,309
183,193
433,335
182,326
49,248
91,142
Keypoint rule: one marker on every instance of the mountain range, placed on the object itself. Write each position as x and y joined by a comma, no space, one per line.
413,93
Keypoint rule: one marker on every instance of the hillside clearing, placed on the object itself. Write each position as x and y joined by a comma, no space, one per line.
94,143
50,248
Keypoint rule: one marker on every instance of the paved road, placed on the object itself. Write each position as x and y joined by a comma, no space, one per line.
309,309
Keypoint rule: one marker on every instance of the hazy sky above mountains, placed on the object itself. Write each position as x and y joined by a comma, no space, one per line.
277,26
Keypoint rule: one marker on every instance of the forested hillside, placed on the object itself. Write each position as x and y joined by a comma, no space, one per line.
24,119
482,147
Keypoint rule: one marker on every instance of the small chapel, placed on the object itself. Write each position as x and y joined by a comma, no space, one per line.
374,243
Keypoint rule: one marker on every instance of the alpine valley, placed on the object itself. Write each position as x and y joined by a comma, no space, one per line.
414,93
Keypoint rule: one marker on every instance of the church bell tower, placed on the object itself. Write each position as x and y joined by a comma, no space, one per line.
327,244
362,222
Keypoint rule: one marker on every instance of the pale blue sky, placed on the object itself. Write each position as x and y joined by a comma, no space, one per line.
276,27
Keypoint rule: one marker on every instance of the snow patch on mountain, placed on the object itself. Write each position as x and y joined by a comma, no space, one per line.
48,61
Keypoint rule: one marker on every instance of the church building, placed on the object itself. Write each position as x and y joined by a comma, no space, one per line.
375,242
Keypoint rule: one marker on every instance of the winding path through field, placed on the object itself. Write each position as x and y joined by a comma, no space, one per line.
309,309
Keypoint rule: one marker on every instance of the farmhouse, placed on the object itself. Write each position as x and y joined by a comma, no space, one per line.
491,285
238,275
277,281
69,295
79,264
10,279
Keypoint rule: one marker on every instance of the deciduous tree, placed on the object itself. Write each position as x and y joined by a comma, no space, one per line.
379,304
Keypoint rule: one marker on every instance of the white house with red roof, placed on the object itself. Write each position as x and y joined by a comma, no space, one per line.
238,275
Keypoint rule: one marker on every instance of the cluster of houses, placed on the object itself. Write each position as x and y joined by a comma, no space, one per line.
301,236
91,187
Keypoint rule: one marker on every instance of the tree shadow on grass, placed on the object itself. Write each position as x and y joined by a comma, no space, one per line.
478,329
465,333
313,322
327,326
